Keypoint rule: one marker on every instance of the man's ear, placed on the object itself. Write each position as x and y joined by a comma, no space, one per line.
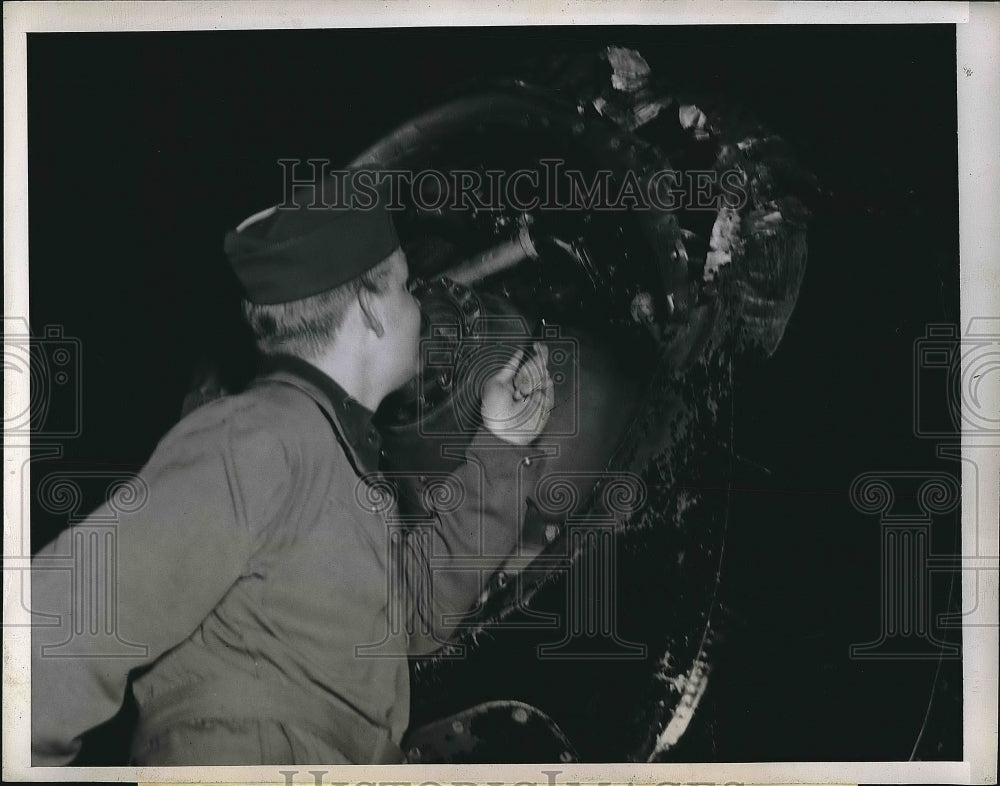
369,311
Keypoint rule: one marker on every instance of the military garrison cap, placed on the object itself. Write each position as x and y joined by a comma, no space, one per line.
312,243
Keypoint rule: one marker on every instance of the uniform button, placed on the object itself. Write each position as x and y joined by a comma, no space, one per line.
457,727
520,715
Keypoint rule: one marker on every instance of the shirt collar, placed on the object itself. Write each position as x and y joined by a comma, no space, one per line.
352,419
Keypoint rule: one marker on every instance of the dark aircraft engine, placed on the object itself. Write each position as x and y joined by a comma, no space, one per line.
595,642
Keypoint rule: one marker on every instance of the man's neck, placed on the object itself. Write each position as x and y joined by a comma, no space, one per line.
349,370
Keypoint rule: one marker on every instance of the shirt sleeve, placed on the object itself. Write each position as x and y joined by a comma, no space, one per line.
448,562
158,571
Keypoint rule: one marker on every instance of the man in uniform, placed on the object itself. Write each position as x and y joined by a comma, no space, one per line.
258,579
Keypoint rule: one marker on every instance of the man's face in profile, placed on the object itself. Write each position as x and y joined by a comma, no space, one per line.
402,324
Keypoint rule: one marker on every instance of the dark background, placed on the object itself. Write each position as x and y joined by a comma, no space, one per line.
145,148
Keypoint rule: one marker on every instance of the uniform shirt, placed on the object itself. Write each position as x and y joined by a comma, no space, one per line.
264,550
